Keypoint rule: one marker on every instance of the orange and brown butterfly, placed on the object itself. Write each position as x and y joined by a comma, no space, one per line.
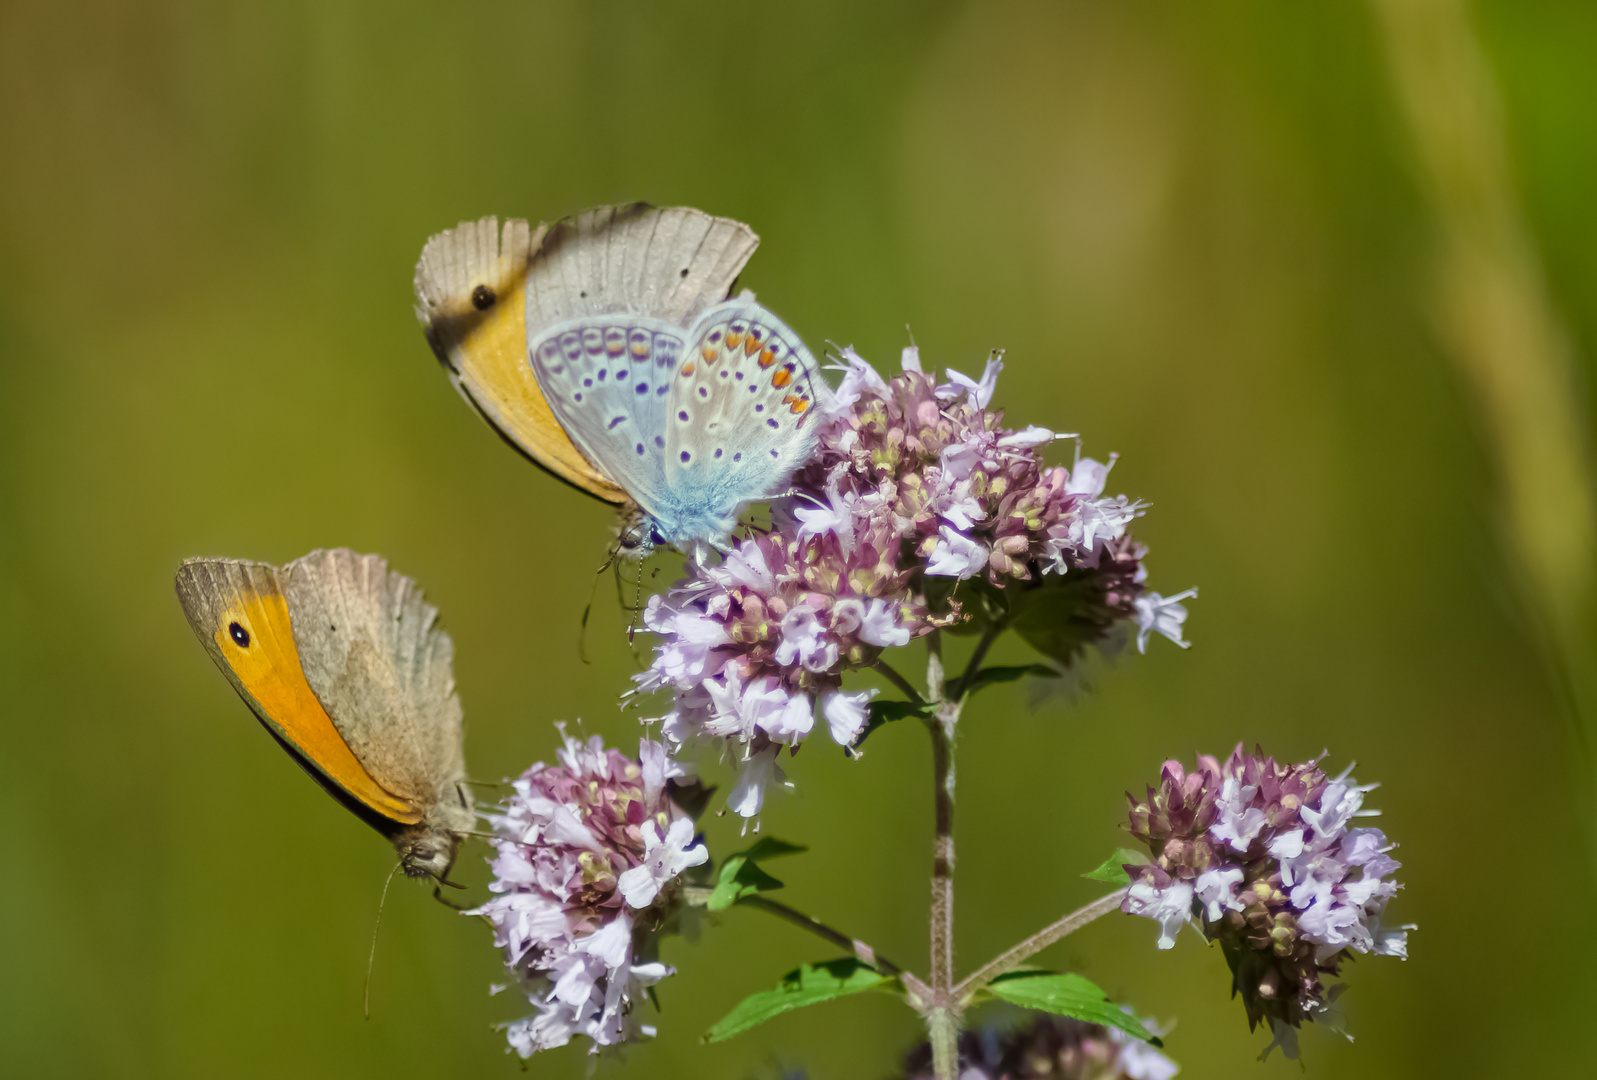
345,664
473,300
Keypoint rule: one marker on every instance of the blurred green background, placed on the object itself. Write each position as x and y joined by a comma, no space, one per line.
1234,242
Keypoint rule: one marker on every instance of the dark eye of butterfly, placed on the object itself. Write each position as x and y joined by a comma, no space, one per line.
240,636
482,298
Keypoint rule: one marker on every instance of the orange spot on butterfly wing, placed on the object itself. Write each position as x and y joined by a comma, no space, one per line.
269,670
782,378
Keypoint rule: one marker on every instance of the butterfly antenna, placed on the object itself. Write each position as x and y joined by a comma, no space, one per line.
371,959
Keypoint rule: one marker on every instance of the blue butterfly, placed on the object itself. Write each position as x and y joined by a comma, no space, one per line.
694,404
605,349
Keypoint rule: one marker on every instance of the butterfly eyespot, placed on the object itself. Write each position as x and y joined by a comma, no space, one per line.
738,456
659,442
587,382
724,374
683,416
718,451
703,392
686,457
642,388
773,423
733,339
768,357
684,271
782,378
615,341
579,397
739,374
640,449
482,298
617,420
687,369
240,636
759,408
583,295
593,340
709,354
773,453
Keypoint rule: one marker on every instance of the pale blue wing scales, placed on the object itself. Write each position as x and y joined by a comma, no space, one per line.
740,414
607,380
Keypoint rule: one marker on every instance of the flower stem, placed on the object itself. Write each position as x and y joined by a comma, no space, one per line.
863,952
984,643
942,1021
904,686
1019,954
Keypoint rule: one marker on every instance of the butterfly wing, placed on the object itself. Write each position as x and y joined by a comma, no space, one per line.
739,411
240,615
373,652
609,294
471,297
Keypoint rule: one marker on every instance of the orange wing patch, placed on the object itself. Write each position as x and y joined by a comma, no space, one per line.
257,642
473,294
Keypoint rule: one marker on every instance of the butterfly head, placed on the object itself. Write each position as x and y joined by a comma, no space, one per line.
426,851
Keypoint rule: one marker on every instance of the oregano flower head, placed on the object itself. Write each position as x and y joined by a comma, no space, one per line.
589,856
919,511
1263,858
1048,1048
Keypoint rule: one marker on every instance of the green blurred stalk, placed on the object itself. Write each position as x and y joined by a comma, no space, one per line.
1496,321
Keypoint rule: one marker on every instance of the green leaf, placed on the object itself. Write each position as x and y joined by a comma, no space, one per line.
808,985
994,675
885,712
769,847
1067,995
1061,614
741,876
1113,868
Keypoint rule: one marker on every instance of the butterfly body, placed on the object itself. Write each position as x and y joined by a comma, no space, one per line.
343,662
687,402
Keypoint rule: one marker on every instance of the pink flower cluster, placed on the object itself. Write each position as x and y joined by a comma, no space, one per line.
915,487
965,494
1263,858
1049,1048
588,856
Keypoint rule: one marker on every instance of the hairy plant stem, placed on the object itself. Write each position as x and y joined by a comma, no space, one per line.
1012,958
942,1020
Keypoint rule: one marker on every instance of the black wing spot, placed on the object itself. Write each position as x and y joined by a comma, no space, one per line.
684,271
483,298
240,636
583,295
